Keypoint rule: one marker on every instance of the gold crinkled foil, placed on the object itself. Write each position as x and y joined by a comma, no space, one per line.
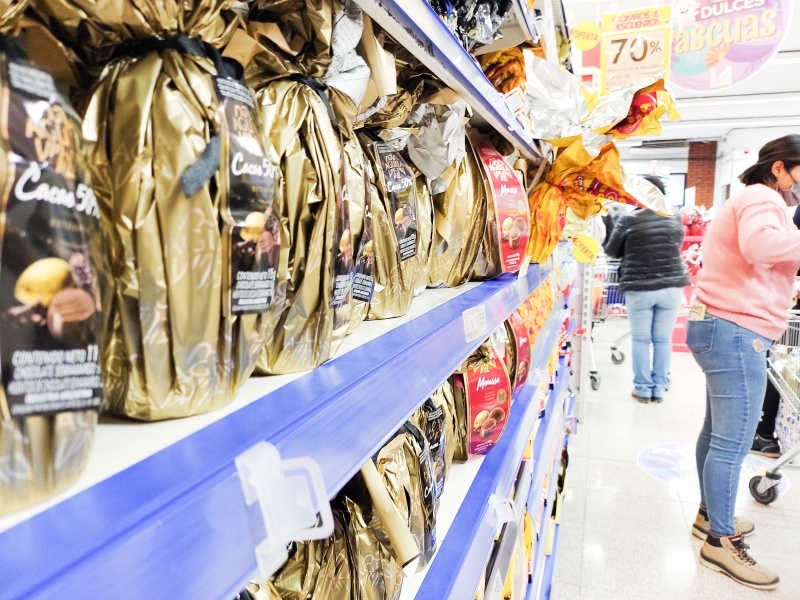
377,574
401,477
395,279
96,28
424,231
359,192
310,330
443,397
303,44
317,570
488,263
171,352
459,225
40,456
10,13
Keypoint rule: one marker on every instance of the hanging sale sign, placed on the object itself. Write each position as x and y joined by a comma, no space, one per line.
720,43
635,45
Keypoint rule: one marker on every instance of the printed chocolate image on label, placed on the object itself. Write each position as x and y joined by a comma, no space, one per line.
344,266
398,182
49,296
254,242
364,281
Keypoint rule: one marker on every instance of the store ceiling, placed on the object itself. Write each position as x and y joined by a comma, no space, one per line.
771,98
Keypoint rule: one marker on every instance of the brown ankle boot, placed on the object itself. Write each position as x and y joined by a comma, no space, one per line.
729,555
701,526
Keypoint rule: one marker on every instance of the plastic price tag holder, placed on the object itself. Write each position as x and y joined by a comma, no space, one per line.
292,498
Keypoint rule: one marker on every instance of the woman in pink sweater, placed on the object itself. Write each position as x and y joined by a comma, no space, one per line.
751,255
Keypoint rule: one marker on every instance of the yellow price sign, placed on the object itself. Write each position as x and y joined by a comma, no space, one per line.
585,249
585,35
636,45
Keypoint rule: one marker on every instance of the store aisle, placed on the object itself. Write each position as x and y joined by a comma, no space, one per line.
625,532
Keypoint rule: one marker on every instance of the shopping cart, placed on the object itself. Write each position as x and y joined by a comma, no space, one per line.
784,371
609,302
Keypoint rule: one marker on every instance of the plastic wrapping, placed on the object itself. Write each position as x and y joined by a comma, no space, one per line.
561,110
395,230
583,178
459,225
52,283
299,45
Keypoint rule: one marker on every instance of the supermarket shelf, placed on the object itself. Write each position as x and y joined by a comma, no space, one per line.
550,560
415,25
507,545
550,565
175,523
552,423
460,561
541,561
539,556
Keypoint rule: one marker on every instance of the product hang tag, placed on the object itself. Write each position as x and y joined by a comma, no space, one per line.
698,311
344,265
251,225
398,181
364,282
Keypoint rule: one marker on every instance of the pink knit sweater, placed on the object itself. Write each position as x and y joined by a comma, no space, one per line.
751,254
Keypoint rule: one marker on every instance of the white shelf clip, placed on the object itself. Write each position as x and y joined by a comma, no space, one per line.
293,501
505,510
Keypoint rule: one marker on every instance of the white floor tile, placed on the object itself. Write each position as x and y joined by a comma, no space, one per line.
626,534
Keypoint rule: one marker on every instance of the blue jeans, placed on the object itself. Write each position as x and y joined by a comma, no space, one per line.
734,360
652,315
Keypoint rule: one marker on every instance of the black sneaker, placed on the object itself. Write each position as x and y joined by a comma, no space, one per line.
768,447
639,398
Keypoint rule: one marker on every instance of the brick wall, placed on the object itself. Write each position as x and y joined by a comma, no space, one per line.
701,172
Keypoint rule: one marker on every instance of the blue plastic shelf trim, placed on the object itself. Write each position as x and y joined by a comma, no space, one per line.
462,557
539,549
530,26
550,561
415,25
541,561
551,426
175,524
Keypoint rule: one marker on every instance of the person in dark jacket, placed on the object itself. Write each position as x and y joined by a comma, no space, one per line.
652,276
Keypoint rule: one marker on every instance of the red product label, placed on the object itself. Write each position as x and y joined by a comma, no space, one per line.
510,205
488,396
522,342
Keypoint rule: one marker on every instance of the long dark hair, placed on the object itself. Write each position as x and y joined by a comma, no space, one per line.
785,149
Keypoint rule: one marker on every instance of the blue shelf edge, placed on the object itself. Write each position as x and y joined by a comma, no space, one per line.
176,525
546,431
462,557
544,565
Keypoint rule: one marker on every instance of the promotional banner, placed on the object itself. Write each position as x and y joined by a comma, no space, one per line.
635,45
720,43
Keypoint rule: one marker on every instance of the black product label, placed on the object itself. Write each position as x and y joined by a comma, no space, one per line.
435,432
254,237
49,297
364,282
343,266
430,501
398,181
